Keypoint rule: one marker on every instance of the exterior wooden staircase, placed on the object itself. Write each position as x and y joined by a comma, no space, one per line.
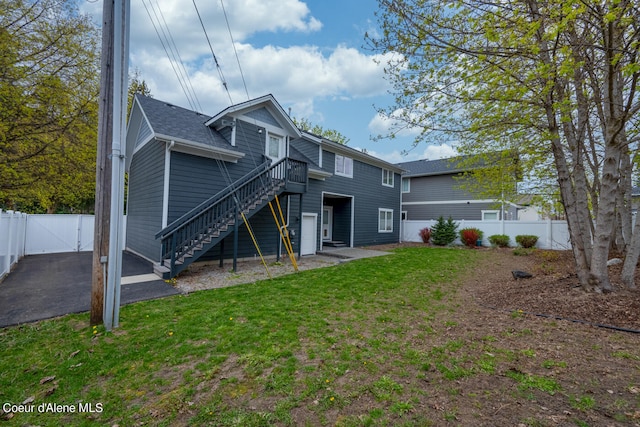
189,237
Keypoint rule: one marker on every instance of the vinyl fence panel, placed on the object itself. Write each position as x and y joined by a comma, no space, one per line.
12,238
48,234
551,234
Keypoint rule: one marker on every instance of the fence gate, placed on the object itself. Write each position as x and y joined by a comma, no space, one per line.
58,233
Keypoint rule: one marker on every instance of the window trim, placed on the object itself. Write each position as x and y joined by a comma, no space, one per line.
389,175
495,211
345,160
387,221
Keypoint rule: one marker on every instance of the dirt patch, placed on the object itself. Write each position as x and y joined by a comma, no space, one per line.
554,290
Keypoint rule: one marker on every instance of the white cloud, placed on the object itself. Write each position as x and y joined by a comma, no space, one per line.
302,72
434,152
430,152
299,74
382,124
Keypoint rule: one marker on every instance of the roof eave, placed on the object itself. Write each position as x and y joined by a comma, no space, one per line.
367,158
319,174
202,150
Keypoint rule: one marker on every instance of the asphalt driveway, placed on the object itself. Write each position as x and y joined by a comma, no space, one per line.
45,286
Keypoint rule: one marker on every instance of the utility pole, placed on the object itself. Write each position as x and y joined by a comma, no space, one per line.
107,247
103,168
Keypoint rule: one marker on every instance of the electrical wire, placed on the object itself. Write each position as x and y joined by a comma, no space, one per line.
215,59
235,51
162,42
180,61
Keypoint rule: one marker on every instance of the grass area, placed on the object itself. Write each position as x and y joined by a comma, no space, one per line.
355,339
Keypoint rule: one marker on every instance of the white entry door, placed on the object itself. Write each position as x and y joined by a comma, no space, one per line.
327,223
309,238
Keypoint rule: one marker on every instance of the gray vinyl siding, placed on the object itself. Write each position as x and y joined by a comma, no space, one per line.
365,196
457,211
441,195
263,115
143,133
195,179
435,188
144,209
310,149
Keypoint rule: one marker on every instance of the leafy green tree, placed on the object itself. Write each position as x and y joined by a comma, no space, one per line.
48,105
330,134
554,81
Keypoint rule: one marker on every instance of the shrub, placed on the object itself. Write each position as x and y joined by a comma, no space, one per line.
500,240
425,234
526,240
522,251
470,236
444,232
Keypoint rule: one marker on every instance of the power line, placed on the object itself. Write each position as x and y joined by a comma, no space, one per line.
180,80
180,61
233,43
215,59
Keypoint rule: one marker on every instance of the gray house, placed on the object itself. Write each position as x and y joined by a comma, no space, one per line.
198,183
431,188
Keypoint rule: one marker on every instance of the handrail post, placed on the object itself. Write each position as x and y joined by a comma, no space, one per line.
235,238
172,266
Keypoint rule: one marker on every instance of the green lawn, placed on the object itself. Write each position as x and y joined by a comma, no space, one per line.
346,345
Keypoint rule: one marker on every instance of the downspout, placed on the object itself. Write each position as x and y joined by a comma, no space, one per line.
165,188
233,134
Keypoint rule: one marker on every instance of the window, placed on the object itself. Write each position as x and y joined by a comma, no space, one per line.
344,166
406,187
490,215
385,220
275,147
387,178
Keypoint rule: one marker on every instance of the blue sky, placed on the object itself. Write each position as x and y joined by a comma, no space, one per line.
308,54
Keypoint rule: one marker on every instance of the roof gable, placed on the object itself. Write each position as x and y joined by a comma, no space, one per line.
184,128
265,109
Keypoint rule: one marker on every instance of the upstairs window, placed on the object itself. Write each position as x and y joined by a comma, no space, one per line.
275,147
406,187
387,178
344,166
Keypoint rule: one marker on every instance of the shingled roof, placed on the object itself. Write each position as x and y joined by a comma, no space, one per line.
175,122
426,167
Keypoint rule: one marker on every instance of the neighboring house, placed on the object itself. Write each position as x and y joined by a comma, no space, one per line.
194,179
431,188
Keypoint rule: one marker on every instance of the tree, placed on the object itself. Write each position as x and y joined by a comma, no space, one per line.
136,85
443,232
330,134
554,81
48,110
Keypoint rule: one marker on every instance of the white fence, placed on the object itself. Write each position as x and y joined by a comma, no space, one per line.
12,237
551,234
48,234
